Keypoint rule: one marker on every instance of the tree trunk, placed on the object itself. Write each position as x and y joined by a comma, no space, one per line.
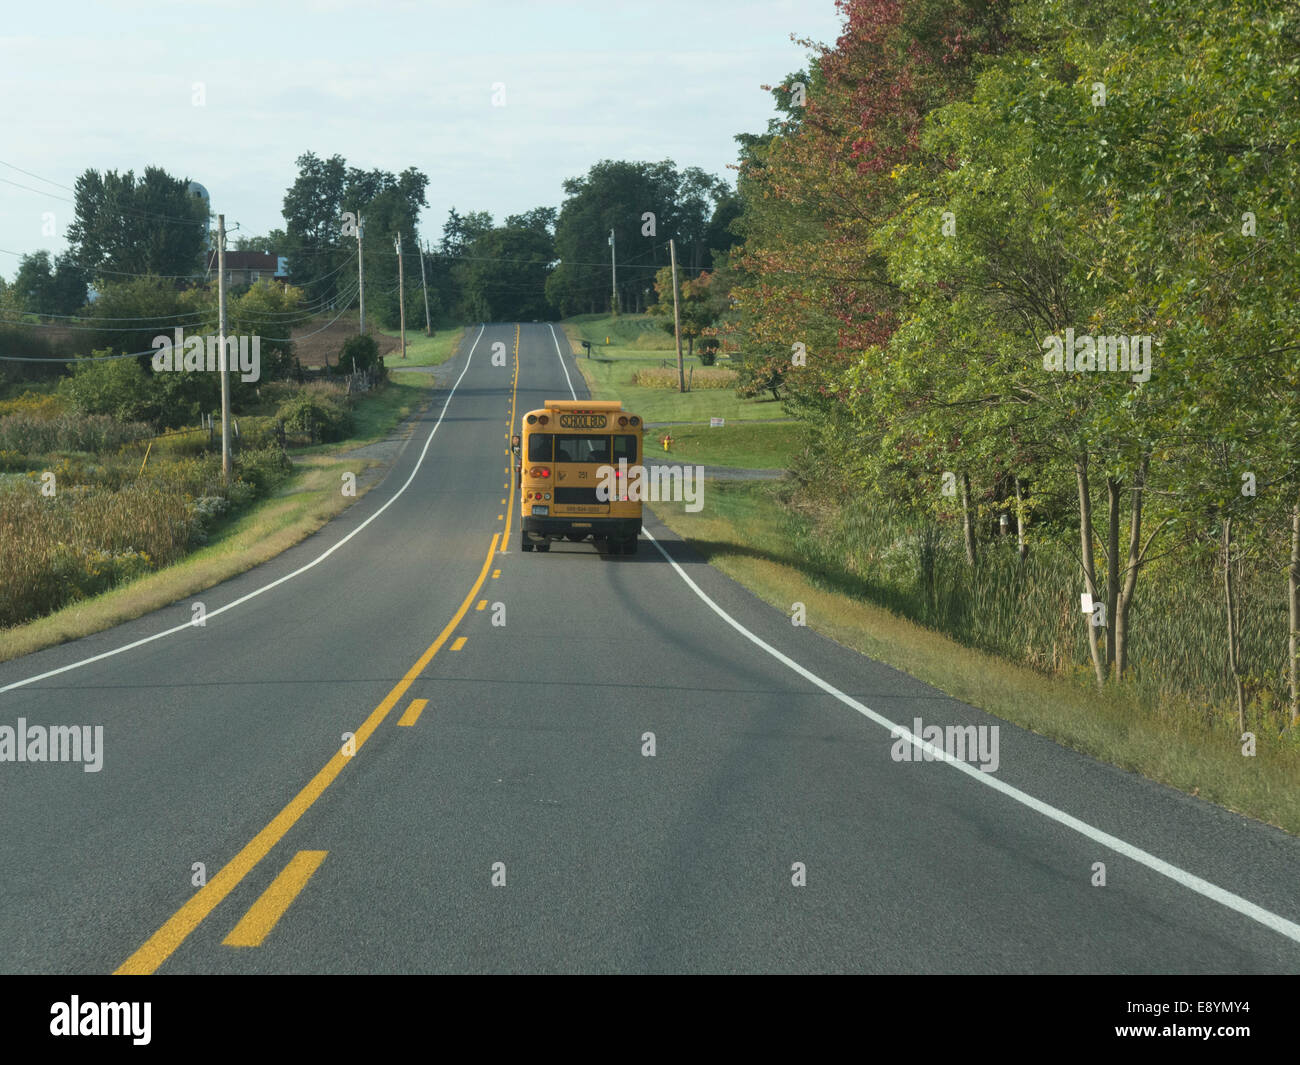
1293,601
1134,562
1022,548
1234,650
1087,561
967,523
1112,567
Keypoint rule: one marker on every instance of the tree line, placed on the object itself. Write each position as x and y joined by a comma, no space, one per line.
956,191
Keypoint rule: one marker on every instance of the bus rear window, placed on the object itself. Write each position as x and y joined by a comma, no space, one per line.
581,449
539,447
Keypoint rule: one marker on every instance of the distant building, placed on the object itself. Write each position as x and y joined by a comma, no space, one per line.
250,267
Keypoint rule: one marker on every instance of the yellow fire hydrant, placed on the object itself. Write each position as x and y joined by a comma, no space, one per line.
666,440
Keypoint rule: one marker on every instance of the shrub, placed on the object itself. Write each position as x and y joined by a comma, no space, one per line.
264,468
358,353
317,414
117,387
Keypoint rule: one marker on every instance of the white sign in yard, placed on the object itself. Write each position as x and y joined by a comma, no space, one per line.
716,423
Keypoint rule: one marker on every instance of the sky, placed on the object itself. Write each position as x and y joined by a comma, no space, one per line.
230,93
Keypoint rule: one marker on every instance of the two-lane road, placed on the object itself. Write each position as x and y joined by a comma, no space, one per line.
501,811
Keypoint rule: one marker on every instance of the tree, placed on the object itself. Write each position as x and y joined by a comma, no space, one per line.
620,196
504,274
700,304
124,227
276,242
40,288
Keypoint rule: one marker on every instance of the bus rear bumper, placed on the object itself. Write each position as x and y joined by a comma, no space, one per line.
615,528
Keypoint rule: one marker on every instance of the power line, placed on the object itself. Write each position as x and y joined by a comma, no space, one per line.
119,209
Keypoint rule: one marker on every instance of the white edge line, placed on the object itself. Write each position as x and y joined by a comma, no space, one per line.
562,366
1180,876
288,576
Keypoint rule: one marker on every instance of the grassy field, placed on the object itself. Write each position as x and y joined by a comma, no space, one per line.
744,445
746,533
636,343
422,350
296,509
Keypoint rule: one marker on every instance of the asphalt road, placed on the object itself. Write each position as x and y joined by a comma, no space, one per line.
222,745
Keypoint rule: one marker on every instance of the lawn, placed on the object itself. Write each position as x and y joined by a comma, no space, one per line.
422,350
636,343
743,445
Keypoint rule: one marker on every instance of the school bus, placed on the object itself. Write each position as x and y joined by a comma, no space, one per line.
564,451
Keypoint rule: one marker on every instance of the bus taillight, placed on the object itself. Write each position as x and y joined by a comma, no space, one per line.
540,471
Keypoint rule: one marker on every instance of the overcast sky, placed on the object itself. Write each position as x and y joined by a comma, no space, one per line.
384,83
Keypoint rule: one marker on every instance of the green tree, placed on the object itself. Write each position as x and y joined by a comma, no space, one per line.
125,227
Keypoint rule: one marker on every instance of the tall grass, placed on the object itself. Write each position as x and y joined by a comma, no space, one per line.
84,540
1028,610
700,379
30,433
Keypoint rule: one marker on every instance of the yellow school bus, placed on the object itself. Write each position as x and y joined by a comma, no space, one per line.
568,454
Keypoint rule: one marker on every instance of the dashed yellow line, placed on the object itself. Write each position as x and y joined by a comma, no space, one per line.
413,712
460,642
482,603
263,915
162,944
496,573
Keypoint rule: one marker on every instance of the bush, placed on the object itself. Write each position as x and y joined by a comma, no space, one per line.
26,343
119,388
708,351
264,468
318,414
358,353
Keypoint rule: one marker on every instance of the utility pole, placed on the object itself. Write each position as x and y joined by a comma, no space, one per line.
401,292
677,321
428,325
614,270
221,348
361,272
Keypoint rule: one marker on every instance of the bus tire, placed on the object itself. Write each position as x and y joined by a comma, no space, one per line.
524,545
630,545
544,547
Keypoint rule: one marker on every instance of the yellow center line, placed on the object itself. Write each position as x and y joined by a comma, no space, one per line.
496,573
482,602
262,916
160,946
413,712
460,642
